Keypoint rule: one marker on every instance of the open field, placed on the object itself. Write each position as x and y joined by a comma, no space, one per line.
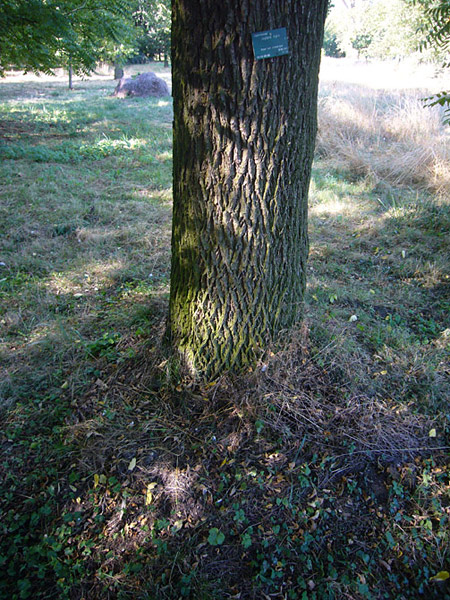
324,473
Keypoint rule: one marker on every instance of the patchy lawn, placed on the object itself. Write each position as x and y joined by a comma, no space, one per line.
322,474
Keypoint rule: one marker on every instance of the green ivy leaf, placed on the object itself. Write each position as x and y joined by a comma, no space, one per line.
216,537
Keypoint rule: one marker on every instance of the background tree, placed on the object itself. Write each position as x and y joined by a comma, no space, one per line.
331,43
40,35
154,18
377,29
244,132
437,25
437,35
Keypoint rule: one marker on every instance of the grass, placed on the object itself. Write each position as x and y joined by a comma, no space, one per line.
390,138
322,474
372,127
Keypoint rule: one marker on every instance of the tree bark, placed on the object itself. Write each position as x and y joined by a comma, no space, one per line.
118,71
70,76
244,133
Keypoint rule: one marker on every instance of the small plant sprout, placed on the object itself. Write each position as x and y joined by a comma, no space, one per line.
216,537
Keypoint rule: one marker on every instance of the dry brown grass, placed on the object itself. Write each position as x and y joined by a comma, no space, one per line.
385,134
302,401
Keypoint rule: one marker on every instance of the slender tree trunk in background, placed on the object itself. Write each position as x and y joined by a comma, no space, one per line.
118,71
244,133
70,76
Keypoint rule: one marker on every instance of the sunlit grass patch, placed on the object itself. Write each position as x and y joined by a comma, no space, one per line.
73,230
95,276
378,272
385,134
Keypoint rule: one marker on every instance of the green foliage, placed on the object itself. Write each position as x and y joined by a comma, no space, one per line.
437,26
216,537
40,35
331,42
361,41
441,99
377,30
105,346
154,18
437,35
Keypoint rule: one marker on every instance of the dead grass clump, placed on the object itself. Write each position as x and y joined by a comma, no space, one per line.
302,401
388,137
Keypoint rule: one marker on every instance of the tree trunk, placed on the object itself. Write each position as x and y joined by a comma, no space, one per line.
70,76
118,71
244,133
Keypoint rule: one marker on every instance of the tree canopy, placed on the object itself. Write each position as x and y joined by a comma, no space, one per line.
437,35
382,29
437,31
39,35
154,19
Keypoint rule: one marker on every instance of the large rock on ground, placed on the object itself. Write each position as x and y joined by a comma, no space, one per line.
146,84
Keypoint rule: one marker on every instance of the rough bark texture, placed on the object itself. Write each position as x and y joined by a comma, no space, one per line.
244,134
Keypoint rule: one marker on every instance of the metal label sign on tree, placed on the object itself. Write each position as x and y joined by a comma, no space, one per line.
269,44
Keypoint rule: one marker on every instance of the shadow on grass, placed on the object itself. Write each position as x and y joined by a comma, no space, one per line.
138,490
128,487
